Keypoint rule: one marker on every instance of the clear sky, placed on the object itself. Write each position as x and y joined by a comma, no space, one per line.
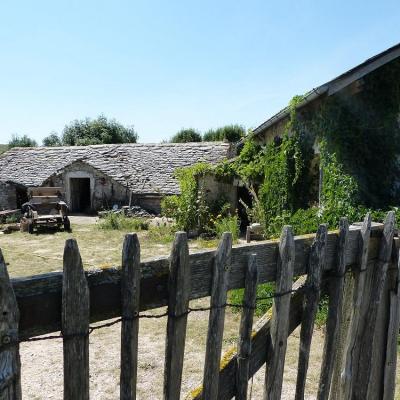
164,65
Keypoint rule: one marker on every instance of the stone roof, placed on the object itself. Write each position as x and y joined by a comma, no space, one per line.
144,168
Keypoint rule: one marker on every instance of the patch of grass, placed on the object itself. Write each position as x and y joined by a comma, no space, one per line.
161,234
264,290
322,313
120,222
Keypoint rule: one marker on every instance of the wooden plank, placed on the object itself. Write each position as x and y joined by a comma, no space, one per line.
389,385
333,320
260,345
280,316
75,325
178,304
344,381
10,364
39,297
219,286
365,381
311,301
246,325
130,292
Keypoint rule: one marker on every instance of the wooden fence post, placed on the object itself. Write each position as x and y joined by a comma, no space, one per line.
246,324
221,267
389,384
311,300
10,364
333,319
178,304
75,325
345,373
130,293
280,316
365,381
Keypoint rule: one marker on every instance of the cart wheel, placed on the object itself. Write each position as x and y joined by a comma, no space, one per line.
30,227
67,224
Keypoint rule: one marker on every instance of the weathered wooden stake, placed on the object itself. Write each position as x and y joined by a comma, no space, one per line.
333,319
246,324
75,325
221,267
364,380
280,316
130,293
10,364
178,304
355,330
311,300
389,385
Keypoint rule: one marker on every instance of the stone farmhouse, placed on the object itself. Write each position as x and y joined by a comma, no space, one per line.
99,176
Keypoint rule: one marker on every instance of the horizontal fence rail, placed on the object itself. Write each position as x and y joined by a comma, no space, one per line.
39,297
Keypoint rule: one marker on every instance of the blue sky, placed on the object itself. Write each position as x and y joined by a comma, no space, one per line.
164,65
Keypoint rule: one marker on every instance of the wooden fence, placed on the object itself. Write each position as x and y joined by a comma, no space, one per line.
356,266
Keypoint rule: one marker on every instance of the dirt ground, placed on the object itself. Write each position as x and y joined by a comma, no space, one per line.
42,361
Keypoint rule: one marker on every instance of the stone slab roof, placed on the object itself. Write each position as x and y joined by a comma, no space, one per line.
144,168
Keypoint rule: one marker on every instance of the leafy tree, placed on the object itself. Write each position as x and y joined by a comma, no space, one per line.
230,133
21,141
52,140
186,135
97,131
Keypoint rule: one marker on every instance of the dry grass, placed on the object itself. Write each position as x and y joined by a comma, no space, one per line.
39,253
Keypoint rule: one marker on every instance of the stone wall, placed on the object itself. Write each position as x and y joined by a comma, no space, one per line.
216,190
8,196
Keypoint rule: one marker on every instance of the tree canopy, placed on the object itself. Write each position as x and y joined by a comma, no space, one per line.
186,135
21,141
97,131
230,133
52,140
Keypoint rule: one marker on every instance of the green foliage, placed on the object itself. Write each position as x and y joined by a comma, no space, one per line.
189,209
230,133
227,224
186,135
264,290
120,222
52,140
3,148
21,141
97,131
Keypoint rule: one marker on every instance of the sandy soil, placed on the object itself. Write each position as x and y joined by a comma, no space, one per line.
42,376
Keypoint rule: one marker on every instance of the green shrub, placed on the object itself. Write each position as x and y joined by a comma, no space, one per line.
114,221
227,224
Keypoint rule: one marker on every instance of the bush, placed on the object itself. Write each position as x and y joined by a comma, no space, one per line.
119,222
227,224
186,136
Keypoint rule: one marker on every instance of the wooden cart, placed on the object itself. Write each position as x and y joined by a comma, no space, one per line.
46,209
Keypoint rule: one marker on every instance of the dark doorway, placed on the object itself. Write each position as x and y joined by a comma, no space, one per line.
80,195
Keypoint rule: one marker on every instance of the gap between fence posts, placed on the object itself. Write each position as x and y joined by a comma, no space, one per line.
130,294
280,316
10,364
178,304
75,325
246,325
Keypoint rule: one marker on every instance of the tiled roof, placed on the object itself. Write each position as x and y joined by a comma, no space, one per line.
144,168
